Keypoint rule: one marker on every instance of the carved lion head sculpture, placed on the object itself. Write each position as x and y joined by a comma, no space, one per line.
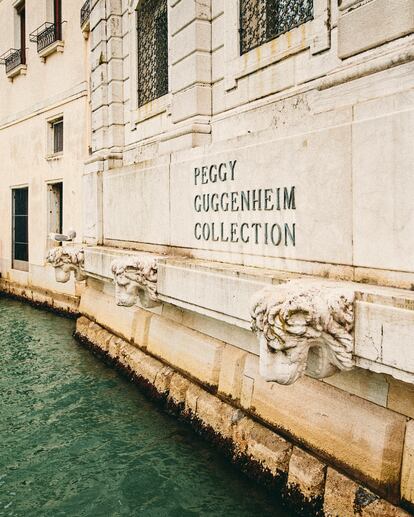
66,259
294,317
135,276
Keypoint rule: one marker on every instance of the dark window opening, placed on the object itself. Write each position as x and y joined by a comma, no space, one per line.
264,20
57,18
57,128
152,50
21,13
55,208
20,223
50,31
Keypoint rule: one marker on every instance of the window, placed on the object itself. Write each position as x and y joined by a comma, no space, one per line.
56,146
15,57
57,18
85,14
20,229
21,14
152,50
48,36
264,20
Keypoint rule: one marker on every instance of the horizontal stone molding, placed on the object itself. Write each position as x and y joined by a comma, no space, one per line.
66,259
40,297
368,25
294,317
182,283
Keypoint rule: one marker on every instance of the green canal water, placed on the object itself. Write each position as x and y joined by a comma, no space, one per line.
77,439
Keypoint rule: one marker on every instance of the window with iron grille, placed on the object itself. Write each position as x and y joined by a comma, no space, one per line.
57,129
264,20
152,31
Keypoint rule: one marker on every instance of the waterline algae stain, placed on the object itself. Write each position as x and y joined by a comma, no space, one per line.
79,440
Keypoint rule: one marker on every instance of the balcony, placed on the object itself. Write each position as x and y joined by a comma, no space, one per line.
48,38
85,13
14,61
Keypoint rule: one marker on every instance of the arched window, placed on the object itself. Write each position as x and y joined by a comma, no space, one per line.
264,20
152,19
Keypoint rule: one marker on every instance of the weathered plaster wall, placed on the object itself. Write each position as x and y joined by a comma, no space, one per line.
56,87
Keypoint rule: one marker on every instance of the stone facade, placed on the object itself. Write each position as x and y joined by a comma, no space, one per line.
268,187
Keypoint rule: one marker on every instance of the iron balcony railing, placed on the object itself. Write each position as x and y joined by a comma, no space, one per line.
12,59
46,34
85,13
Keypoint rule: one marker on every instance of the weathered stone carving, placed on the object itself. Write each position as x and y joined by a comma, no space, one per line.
66,259
136,276
303,325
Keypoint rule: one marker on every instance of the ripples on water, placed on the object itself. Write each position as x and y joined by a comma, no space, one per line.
77,439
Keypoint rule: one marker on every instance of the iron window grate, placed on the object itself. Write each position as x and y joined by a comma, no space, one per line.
57,128
264,20
85,13
152,33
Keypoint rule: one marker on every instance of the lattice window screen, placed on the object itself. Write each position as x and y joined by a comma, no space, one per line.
264,20
152,50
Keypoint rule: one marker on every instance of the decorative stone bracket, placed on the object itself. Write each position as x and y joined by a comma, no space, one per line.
303,325
66,259
136,276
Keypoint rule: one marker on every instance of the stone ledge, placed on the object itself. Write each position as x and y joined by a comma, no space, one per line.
53,301
181,282
56,46
369,25
233,372
345,498
260,452
360,437
18,70
231,288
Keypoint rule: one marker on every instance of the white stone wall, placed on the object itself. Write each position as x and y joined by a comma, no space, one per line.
324,111
297,111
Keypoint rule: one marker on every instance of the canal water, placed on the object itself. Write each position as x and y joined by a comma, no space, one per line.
77,439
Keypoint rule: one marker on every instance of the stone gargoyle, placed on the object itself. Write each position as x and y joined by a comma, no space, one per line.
66,259
303,325
136,276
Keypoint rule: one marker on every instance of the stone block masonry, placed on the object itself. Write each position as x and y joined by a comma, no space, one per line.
209,401
53,301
